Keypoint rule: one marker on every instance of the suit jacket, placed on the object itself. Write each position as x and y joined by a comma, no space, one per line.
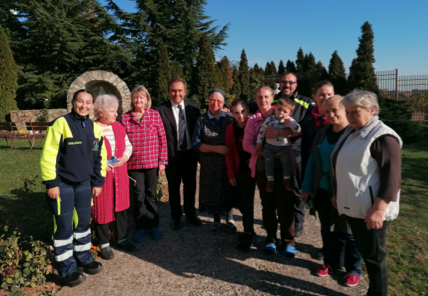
192,114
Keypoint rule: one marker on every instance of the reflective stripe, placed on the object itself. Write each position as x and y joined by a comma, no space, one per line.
82,248
64,256
58,203
301,102
63,242
78,235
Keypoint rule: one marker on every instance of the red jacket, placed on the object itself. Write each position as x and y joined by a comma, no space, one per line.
232,158
114,196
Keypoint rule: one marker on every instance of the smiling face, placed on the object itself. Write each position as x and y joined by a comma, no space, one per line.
288,84
177,92
83,104
215,104
283,111
108,116
240,113
358,117
322,93
264,99
335,112
139,100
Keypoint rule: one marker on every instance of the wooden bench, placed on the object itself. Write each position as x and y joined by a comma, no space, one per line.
36,130
8,130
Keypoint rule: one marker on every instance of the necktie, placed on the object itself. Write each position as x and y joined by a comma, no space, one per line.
182,139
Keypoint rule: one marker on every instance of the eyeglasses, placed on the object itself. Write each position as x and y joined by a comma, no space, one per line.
287,82
218,102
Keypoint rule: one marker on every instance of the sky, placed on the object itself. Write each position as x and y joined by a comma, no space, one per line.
271,30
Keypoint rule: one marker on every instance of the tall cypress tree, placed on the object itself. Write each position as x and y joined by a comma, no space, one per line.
337,74
273,69
205,71
160,75
281,67
176,70
236,87
309,63
300,61
8,78
361,72
226,74
256,80
244,76
291,67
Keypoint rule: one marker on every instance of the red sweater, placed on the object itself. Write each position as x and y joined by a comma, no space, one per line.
114,195
232,158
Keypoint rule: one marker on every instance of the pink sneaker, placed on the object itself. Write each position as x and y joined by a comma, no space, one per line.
351,280
324,271
270,186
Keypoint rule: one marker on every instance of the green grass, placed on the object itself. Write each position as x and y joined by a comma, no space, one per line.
407,237
23,205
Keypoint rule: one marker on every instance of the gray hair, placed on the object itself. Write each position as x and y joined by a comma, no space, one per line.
363,99
141,89
103,102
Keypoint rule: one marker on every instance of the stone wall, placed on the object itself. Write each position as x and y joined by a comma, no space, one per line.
21,116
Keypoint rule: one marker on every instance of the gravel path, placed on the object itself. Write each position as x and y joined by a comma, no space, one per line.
193,261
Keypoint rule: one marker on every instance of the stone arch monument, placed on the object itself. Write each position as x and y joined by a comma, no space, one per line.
101,82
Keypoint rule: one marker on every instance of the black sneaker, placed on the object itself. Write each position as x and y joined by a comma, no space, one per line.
126,245
245,241
73,279
92,268
106,253
176,224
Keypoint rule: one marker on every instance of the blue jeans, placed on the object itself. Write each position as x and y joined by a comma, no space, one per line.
335,241
72,235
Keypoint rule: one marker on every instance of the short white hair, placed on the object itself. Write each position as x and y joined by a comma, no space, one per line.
104,102
363,99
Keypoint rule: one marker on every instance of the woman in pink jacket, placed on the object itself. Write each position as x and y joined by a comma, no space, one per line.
280,202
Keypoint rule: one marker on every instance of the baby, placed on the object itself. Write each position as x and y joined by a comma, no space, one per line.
281,119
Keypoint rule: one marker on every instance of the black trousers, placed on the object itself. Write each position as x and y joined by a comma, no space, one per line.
299,205
243,192
182,170
335,241
371,243
281,203
119,227
146,212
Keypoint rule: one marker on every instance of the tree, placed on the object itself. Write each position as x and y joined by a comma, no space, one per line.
244,77
179,24
205,72
291,67
361,72
256,79
337,74
226,74
281,67
300,62
309,63
8,77
236,87
176,70
160,76
273,69
321,71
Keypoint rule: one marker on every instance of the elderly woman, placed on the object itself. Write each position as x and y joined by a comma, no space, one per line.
148,160
279,203
209,140
366,166
317,185
109,209
73,166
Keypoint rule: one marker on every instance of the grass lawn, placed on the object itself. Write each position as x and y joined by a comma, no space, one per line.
23,206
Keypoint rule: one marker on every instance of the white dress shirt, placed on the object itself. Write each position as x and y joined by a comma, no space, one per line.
176,113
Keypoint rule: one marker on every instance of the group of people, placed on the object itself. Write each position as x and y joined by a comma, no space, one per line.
329,152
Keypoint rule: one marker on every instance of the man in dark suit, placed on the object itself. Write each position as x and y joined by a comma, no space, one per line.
179,118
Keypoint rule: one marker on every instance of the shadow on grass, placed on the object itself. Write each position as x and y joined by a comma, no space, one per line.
28,213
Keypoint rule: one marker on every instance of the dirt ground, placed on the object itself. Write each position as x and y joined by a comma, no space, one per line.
193,261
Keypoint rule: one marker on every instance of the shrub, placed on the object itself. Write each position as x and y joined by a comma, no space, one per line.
23,261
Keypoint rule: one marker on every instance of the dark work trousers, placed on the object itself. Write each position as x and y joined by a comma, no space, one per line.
281,203
334,241
299,205
119,227
72,235
243,192
146,213
182,170
371,244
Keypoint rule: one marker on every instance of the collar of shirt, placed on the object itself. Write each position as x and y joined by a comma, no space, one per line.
176,105
222,114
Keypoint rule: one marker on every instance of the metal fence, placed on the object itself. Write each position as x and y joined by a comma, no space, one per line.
412,88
